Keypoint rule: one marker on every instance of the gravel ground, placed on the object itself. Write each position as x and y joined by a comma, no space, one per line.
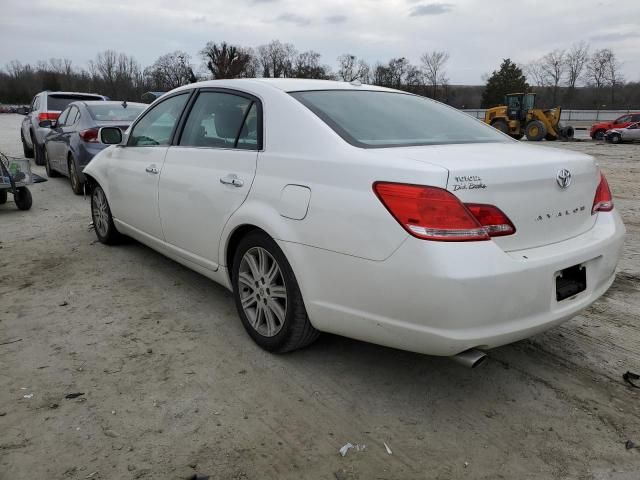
172,386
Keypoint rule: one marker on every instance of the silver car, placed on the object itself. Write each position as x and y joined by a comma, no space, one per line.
46,106
630,133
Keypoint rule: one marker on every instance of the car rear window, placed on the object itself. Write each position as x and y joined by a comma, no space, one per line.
60,102
104,113
375,119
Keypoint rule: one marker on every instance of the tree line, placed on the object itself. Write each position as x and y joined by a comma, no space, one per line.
574,76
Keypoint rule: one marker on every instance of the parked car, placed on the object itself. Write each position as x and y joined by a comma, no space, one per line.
598,130
73,140
361,211
45,106
626,134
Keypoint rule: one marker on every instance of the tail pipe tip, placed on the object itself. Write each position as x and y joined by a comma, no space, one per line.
471,358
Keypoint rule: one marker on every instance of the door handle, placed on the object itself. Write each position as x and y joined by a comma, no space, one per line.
152,169
232,179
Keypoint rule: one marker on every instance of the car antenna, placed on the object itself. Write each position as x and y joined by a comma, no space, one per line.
124,104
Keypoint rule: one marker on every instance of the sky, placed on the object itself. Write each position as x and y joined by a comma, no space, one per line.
476,33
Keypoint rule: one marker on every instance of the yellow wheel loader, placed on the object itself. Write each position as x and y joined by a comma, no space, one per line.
519,117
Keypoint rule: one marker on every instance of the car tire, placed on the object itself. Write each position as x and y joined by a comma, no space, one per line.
3,196
267,296
51,173
76,185
599,135
535,131
23,198
501,125
616,138
102,219
28,151
38,152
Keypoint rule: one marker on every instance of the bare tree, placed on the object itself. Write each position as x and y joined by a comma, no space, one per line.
597,70
613,74
535,73
433,64
397,71
276,59
553,65
351,68
575,61
170,71
307,65
229,61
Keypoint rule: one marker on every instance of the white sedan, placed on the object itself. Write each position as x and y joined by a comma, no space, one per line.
361,211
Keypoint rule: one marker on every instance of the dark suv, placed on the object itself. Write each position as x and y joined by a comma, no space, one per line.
46,106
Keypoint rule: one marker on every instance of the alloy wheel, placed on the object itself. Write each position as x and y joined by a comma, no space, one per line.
263,292
100,212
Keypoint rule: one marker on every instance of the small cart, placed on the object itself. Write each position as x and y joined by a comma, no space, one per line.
15,175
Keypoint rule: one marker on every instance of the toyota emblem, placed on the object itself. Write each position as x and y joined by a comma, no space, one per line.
563,178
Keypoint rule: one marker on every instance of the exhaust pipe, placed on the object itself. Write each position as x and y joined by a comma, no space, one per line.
471,358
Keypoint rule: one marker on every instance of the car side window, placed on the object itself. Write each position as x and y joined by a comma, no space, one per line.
36,103
221,120
62,119
72,117
635,118
626,118
157,125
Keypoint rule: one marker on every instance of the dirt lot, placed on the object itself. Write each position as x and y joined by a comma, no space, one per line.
172,386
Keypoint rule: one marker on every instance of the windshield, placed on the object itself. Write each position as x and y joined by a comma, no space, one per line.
104,113
372,119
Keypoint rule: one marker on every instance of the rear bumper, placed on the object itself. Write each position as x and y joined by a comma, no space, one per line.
84,154
442,298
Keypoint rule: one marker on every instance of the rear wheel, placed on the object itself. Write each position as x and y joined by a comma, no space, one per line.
267,296
535,131
28,151
51,173
102,219
3,197
23,198
501,125
76,185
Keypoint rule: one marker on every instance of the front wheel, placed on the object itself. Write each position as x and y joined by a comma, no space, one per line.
616,138
535,131
102,219
51,173
76,185
23,198
267,296
599,135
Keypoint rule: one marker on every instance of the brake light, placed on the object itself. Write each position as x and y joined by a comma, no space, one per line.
602,202
429,213
494,221
48,116
90,135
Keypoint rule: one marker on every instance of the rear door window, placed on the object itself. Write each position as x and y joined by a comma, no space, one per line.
63,118
73,116
220,120
157,125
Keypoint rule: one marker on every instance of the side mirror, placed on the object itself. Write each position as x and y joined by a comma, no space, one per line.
47,124
110,135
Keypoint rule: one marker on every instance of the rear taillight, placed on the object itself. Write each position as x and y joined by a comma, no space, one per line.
494,221
603,202
90,135
433,213
48,116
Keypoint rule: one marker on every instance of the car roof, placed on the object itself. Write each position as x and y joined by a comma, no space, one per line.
286,84
109,102
48,92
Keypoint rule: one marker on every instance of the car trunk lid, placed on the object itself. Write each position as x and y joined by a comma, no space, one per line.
547,193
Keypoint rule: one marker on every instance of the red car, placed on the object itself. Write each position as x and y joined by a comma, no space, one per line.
598,129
